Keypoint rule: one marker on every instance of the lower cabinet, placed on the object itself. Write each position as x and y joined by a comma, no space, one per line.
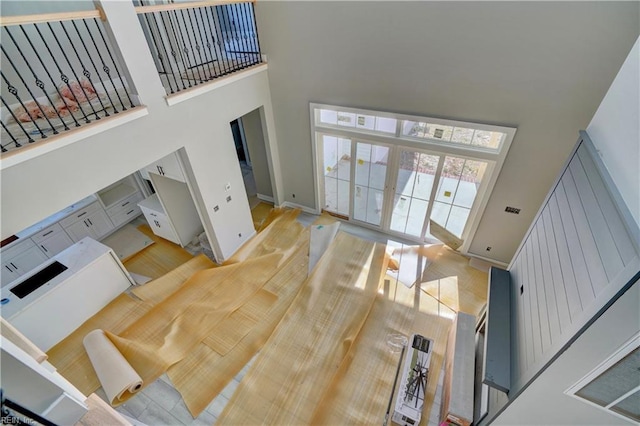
20,259
91,222
158,220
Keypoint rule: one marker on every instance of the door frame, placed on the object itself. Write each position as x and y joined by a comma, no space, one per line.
493,157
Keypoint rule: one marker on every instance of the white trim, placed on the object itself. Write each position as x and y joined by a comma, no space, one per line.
625,349
213,85
488,259
299,206
266,198
52,143
493,157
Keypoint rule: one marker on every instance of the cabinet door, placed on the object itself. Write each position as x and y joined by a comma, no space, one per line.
162,228
27,260
55,243
167,166
100,224
79,230
8,273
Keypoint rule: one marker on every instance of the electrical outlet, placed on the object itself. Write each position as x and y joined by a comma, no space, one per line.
489,248
229,198
239,235
293,195
513,210
227,187
216,208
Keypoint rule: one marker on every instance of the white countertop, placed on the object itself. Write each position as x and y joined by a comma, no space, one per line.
75,258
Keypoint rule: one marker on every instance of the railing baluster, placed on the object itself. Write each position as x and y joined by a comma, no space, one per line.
27,134
239,39
223,47
153,37
50,78
257,35
14,92
197,46
72,69
190,49
115,66
173,52
253,32
87,74
210,41
39,82
63,77
203,43
245,37
15,141
178,39
220,41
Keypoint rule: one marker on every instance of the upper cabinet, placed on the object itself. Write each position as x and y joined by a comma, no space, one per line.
168,166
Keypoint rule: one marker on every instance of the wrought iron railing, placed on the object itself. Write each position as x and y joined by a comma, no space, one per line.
58,72
194,43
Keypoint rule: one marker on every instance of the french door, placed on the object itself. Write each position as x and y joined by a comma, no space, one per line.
398,189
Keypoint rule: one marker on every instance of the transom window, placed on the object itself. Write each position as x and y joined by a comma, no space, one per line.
401,173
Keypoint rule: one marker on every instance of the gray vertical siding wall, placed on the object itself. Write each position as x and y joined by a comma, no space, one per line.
579,253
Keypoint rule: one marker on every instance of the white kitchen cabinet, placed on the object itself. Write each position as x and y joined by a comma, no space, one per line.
19,259
168,166
52,240
92,221
157,218
46,314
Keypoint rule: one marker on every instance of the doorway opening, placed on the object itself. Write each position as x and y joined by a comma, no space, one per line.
251,152
419,178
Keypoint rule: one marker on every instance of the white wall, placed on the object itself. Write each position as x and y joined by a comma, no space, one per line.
542,67
615,131
38,187
544,401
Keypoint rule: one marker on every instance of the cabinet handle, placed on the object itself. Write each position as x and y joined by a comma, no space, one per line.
130,211
7,266
85,223
47,233
157,223
159,172
14,266
153,214
89,220
44,248
125,204
82,214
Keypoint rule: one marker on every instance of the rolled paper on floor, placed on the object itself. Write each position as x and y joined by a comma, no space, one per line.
119,380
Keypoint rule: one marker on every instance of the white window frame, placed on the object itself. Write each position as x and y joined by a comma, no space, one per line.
626,348
494,157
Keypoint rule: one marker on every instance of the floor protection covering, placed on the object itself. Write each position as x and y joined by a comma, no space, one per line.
296,368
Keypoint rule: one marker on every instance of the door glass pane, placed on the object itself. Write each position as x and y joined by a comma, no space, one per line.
337,173
457,190
412,191
371,171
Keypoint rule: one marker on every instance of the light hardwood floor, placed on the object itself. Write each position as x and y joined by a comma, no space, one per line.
449,284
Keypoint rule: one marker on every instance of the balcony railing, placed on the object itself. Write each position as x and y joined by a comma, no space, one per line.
58,72
194,43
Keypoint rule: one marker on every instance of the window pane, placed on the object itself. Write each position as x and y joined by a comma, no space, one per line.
331,194
619,379
630,406
330,149
374,206
417,214
360,203
400,213
440,213
457,220
472,174
426,171
365,122
486,139
462,135
363,164
328,116
346,119
427,130
379,158
387,125
343,197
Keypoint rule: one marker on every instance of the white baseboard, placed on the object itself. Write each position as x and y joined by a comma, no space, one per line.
299,206
265,198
